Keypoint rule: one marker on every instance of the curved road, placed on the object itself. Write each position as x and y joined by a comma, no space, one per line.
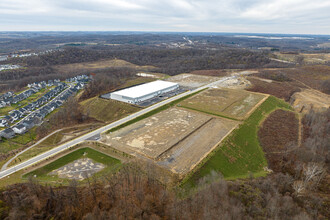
96,132
4,167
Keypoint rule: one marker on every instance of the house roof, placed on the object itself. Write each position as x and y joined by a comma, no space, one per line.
8,131
20,126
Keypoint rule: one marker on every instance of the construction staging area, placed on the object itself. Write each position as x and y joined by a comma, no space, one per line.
176,139
78,169
185,155
153,136
192,80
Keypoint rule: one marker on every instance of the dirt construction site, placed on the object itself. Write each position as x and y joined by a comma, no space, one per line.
308,98
176,139
192,80
179,138
236,104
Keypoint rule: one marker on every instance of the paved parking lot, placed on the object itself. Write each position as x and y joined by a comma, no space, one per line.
162,97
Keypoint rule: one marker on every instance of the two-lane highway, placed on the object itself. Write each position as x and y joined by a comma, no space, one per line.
71,143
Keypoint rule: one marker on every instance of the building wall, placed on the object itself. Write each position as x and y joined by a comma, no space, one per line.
142,98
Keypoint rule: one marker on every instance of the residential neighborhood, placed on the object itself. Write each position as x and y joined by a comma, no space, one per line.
21,120
8,67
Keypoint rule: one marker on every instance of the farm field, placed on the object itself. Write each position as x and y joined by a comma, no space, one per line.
44,173
185,155
154,135
235,104
192,80
240,154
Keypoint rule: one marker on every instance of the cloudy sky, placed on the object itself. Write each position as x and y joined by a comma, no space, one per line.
245,16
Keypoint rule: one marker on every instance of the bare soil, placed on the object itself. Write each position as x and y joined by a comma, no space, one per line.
184,156
154,135
78,169
309,98
192,80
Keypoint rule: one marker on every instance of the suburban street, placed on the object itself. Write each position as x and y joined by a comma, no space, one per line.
48,103
97,132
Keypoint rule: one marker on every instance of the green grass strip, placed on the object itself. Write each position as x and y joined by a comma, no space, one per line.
240,153
92,154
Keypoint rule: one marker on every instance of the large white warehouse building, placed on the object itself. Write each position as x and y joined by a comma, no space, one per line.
143,92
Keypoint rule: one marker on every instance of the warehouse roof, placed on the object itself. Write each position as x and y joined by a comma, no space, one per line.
145,89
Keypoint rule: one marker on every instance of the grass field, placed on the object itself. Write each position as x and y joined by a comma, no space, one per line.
240,154
5,110
25,138
107,110
17,142
50,143
101,64
229,103
41,173
136,81
110,110
316,58
7,145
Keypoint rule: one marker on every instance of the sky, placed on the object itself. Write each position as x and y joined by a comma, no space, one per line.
237,16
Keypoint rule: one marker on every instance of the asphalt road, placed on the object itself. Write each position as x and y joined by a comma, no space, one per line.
96,132
4,167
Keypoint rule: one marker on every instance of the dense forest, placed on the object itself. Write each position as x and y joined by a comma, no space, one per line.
168,61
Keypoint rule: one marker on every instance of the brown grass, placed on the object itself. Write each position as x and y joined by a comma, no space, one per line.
278,130
282,90
219,72
102,64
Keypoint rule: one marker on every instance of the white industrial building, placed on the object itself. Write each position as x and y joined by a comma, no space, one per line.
143,92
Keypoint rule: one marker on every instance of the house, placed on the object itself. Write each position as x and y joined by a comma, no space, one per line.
3,123
28,124
50,83
38,116
22,111
8,133
8,119
43,113
19,129
3,104
59,103
36,120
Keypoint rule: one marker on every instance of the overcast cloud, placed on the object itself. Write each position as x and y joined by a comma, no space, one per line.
250,16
